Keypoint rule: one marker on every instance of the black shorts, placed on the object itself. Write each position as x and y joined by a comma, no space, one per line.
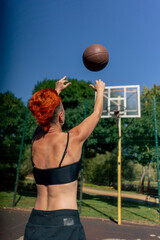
57,225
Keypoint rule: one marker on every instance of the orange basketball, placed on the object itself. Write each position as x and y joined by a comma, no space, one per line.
95,57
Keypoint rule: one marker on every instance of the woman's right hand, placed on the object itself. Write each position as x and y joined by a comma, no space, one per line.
99,86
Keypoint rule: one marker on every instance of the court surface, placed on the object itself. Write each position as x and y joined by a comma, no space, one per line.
13,221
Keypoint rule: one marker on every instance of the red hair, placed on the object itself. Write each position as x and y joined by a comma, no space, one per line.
42,104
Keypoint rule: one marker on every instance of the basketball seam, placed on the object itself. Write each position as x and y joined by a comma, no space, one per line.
95,54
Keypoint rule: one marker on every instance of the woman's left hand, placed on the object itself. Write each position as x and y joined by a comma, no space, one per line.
61,85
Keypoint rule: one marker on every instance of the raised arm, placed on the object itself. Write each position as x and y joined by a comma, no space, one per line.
84,129
61,85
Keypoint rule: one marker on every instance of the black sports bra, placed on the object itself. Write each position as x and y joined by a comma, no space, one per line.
59,175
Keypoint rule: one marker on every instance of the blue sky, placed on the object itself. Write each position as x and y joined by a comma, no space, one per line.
46,39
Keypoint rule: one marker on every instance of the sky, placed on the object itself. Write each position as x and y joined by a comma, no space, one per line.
46,39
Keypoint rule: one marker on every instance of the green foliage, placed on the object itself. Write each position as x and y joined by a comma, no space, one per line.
26,166
102,169
71,96
139,139
138,142
12,116
104,136
12,113
30,128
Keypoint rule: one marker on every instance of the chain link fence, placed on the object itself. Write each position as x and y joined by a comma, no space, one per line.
139,160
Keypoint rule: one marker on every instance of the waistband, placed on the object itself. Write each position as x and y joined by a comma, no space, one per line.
55,218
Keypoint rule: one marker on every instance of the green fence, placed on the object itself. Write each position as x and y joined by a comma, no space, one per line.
139,153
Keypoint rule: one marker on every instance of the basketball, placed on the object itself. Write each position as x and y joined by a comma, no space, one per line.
95,57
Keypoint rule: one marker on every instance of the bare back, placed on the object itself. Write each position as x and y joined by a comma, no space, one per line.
47,152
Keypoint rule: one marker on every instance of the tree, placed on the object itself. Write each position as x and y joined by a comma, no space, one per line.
104,136
12,113
139,141
102,169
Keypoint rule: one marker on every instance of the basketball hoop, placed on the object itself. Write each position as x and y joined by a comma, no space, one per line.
125,99
116,114
121,102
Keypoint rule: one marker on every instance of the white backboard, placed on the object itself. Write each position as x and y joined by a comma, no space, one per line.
124,99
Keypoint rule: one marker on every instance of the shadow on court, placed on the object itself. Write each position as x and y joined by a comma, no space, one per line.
128,204
13,221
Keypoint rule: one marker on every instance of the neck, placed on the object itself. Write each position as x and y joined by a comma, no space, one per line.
55,128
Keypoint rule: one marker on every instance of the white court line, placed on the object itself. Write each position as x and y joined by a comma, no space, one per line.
152,235
113,239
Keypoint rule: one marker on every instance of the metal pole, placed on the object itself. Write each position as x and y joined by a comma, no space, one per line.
20,157
82,160
156,145
119,169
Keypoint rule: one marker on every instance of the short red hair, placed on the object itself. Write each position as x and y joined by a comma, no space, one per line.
42,104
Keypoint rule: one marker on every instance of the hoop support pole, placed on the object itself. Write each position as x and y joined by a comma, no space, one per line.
119,170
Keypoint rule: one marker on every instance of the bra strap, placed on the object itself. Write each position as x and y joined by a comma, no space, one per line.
65,149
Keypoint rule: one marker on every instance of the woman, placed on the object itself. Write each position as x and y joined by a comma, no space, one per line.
56,162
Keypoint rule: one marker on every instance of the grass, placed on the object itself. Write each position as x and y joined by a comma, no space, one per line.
22,201
94,206
106,207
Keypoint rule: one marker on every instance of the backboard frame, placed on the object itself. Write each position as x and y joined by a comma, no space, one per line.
112,102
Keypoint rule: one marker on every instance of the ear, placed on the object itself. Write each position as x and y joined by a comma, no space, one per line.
60,117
